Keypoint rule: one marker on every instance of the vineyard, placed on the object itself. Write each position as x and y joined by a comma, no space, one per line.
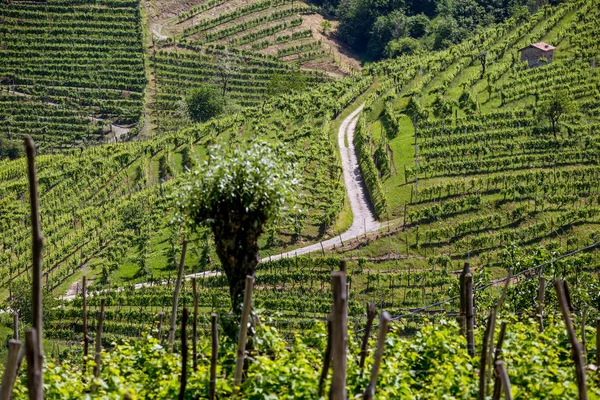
472,173
72,73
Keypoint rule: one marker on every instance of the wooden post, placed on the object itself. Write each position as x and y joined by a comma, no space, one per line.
176,296
503,375
560,287
10,370
371,313
213,356
241,350
488,338
99,339
34,367
37,249
568,296
497,353
160,323
383,328
339,336
470,314
195,326
15,325
598,342
84,322
463,303
184,354
326,359
540,300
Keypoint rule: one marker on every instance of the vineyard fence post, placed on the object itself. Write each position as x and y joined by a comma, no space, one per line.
501,372
184,354
371,313
195,326
497,354
470,314
339,336
34,367
541,295
99,339
383,329
176,296
11,369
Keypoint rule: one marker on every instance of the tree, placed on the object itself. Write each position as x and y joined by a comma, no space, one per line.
467,103
237,192
326,27
204,103
398,47
226,69
559,104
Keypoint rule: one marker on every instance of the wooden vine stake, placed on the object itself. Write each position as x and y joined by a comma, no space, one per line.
176,296
463,305
84,322
37,253
241,349
575,345
497,353
16,325
468,295
213,356
326,359
371,313
488,338
10,370
504,379
339,337
184,354
195,326
598,342
540,301
98,358
34,368
383,328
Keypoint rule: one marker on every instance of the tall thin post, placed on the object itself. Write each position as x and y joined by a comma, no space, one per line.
195,326
34,366
161,315
463,303
488,338
339,336
37,248
184,354
371,313
241,349
213,356
383,328
497,353
99,325
16,325
84,321
176,296
326,359
503,375
575,345
10,370
470,314
598,341
540,301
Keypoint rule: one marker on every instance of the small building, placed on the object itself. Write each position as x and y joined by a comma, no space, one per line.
534,53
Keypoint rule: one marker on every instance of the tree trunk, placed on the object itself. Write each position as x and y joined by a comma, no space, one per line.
236,241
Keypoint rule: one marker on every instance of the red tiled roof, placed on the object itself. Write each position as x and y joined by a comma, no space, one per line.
542,46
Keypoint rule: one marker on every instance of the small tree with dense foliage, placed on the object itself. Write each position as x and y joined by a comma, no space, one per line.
204,103
555,107
237,192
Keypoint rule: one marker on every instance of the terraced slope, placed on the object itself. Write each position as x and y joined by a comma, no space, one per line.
69,69
487,170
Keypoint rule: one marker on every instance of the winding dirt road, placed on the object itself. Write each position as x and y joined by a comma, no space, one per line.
363,220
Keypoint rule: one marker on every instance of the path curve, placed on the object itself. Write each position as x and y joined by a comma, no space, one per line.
363,220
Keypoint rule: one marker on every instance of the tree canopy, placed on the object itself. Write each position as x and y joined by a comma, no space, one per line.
204,103
236,192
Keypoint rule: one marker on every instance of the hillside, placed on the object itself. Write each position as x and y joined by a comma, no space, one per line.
459,157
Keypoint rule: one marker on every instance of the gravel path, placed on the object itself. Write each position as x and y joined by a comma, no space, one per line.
363,220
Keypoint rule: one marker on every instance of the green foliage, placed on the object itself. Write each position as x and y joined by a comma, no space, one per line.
559,104
403,46
204,103
467,103
282,83
441,107
236,192
11,149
